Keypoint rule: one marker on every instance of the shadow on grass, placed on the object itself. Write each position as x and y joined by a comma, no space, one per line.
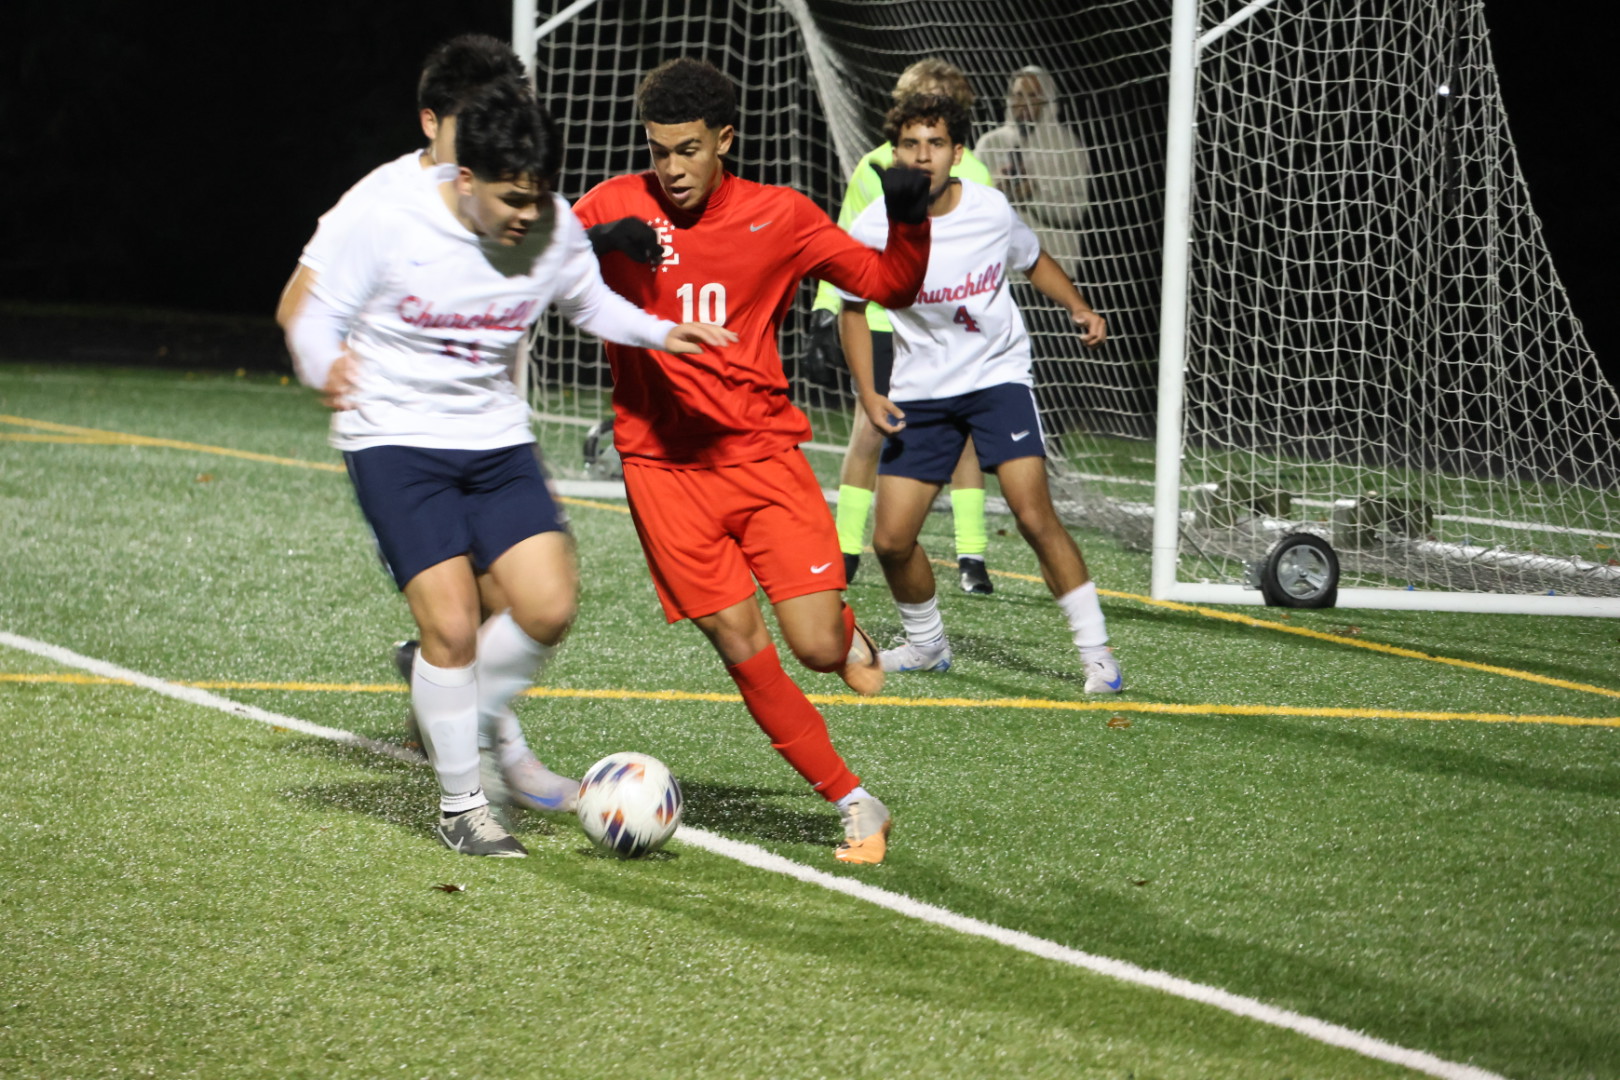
758,813
1391,751
398,793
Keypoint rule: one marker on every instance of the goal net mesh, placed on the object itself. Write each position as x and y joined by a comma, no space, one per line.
1378,347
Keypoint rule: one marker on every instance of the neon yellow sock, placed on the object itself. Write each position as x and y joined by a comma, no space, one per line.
967,510
854,505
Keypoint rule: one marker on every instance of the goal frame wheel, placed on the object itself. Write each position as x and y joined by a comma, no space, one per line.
1300,571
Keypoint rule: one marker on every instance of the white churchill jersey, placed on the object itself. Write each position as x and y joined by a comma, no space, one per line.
963,332
380,185
437,317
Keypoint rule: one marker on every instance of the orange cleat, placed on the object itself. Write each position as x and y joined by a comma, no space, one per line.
866,832
862,669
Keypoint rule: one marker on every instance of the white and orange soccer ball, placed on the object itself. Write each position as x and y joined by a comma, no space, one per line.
629,804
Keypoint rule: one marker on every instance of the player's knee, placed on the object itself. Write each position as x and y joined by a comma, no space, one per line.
547,623
823,652
1046,534
449,643
892,550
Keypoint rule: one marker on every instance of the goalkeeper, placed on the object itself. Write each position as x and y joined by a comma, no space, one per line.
858,477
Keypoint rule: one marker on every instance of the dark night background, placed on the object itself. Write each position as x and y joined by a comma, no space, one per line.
176,157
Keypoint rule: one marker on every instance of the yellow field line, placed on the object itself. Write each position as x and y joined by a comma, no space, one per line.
1111,707
61,440
124,439
1169,605
1337,639
96,437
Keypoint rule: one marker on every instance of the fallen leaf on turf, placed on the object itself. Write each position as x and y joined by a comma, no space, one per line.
1118,722
447,887
1139,882
205,478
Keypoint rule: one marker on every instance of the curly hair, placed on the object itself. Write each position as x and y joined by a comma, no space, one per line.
461,65
930,73
503,133
680,91
929,108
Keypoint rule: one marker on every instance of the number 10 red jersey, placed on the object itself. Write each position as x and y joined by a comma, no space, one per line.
737,263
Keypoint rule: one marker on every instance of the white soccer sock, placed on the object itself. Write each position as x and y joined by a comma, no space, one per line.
446,704
1085,617
508,661
858,793
922,622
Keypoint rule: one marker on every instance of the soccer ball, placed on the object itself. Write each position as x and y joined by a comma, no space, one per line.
629,804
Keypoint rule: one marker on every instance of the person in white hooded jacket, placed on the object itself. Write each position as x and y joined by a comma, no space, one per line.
1040,165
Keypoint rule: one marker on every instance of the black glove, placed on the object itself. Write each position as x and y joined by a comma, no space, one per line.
823,363
905,194
630,235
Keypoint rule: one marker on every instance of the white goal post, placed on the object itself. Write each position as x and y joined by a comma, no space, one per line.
1341,366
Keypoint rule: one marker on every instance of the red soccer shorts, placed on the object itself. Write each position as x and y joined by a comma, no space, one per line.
709,533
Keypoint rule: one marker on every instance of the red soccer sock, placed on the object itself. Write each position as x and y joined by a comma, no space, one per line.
796,729
848,616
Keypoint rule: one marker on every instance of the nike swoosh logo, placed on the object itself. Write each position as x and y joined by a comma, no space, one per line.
1017,435
823,567
756,228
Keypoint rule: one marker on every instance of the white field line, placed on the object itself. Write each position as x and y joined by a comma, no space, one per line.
202,697
760,859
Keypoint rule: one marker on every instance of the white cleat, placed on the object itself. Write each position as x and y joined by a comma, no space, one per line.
933,656
1103,675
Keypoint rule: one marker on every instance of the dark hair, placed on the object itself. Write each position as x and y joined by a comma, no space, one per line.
503,133
936,108
680,91
460,66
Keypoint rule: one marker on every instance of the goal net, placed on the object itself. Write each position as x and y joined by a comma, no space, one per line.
1370,342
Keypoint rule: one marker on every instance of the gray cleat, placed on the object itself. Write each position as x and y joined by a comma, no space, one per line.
477,832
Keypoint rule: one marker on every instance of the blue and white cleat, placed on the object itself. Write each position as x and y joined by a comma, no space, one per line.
930,656
1103,675
532,786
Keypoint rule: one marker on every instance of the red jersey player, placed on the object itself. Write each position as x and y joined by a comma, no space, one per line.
720,492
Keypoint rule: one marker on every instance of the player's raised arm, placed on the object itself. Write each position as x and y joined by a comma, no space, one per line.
890,277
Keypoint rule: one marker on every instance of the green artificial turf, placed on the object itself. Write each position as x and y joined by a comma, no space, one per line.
189,893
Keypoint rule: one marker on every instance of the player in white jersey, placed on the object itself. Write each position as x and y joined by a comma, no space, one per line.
411,334
454,70
962,367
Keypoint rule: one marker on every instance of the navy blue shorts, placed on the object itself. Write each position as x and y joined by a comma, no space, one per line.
1002,420
426,506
